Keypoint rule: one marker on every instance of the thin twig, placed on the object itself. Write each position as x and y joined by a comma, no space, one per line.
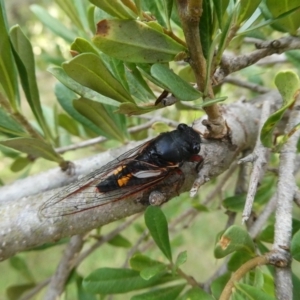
237,275
261,220
78,260
248,85
265,48
259,158
101,139
58,280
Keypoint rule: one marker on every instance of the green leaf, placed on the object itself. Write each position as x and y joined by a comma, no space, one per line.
224,35
237,259
134,41
220,9
234,203
168,293
8,74
289,86
81,45
73,14
150,272
252,292
206,27
158,226
99,115
295,246
291,22
181,259
285,137
120,241
115,8
140,262
267,22
296,285
16,291
233,239
137,85
35,147
267,234
247,8
65,97
218,285
133,109
168,5
177,86
53,23
69,124
116,281
21,266
26,65
82,294
196,293
9,125
81,90
19,164
89,70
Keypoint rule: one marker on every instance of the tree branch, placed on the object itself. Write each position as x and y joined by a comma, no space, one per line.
259,158
237,275
23,228
265,48
59,279
190,13
285,196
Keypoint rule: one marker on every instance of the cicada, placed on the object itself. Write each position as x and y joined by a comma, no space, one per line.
142,168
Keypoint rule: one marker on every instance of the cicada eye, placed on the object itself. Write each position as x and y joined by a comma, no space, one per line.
196,148
182,126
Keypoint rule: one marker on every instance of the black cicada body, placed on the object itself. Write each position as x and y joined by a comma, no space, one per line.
138,169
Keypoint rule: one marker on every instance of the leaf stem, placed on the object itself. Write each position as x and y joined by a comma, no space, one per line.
237,275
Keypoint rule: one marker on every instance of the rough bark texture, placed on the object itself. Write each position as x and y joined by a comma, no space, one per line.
22,227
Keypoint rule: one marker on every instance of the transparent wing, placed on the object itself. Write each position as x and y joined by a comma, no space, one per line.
83,194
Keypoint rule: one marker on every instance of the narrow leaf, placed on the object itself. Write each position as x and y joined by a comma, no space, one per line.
288,85
157,224
8,74
181,259
134,41
115,281
99,115
150,272
26,65
140,262
168,293
247,8
120,241
252,292
65,97
53,23
35,147
81,90
9,125
177,86
115,8
133,109
89,70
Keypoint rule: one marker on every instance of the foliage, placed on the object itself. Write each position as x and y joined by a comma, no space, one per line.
123,56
